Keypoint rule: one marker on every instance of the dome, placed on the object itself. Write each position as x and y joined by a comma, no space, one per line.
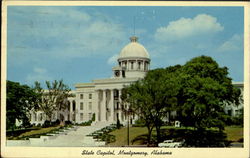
134,49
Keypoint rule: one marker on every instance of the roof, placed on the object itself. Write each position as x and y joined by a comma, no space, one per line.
134,49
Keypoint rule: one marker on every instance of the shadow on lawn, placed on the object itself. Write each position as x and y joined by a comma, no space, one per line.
193,138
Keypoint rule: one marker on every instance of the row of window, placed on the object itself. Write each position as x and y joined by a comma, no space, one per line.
139,65
89,115
89,106
81,96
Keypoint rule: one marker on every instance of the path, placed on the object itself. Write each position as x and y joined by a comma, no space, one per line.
75,138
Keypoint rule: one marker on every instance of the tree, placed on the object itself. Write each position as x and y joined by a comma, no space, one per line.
54,98
205,89
152,97
20,100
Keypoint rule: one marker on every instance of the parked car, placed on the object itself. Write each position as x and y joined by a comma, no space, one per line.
170,144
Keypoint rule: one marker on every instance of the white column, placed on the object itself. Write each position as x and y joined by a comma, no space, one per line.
111,105
142,65
103,106
70,110
120,106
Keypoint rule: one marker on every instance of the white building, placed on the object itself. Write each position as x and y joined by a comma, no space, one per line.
102,96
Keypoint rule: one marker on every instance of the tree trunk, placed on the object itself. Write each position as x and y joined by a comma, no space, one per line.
158,133
149,135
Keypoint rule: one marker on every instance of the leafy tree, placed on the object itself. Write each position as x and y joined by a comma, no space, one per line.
20,100
54,98
152,97
205,89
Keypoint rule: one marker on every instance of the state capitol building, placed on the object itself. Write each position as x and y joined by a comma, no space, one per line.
101,97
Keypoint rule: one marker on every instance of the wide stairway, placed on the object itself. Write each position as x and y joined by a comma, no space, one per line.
76,138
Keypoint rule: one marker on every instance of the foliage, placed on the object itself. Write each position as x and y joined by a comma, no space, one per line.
68,122
104,134
205,89
139,123
20,100
118,124
54,98
152,97
93,117
197,91
48,123
87,123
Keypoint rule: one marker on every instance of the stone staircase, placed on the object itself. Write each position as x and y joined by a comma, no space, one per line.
74,137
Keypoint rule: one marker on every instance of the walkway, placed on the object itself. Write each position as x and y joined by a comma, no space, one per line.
75,138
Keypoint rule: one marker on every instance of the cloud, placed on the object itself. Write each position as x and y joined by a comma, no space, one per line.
183,28
113,59
234,44
59,32
38,74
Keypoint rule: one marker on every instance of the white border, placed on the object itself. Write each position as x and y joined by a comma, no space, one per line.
76,152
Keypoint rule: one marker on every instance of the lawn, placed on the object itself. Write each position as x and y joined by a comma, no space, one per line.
122,137
234,133
36,132
138,134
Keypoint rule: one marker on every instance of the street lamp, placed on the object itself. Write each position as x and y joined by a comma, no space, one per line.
128,114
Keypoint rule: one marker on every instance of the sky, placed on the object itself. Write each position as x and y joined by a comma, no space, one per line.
82,43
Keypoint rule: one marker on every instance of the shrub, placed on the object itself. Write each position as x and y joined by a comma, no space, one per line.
68,122
55,123
46,123
93,117
118,124
139,123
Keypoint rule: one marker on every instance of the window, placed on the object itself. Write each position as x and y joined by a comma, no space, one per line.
81,96
236,112
123,73
117,105
90,96
139,65
74,105
81,106
90,105
132,65
40,117
90,116
81,116
53,116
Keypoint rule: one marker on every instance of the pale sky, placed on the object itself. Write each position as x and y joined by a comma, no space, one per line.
79,44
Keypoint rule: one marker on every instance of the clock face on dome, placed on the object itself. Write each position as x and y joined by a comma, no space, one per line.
117,73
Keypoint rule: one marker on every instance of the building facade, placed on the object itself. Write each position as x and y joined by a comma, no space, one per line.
102,98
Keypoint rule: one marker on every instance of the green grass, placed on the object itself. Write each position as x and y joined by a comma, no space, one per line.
234,133
138,134
35,133
121,135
